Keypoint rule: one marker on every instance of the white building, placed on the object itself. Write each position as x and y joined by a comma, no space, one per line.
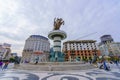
35,43
108,46
104,50
115,48
42,57
5,51
81,49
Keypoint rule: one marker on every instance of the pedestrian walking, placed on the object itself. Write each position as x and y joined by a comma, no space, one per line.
5,65
1,63
36,60
106,67
116,62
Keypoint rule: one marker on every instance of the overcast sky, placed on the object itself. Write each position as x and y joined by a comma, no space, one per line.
21,18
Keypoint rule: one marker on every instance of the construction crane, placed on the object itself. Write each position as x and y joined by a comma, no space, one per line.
86,35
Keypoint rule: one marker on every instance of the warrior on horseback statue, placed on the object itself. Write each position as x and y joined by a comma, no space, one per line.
57,23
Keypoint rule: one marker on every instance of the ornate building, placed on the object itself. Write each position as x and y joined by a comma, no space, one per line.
82,49
35,43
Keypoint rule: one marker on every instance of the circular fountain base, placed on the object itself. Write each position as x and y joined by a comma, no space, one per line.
57,33
55,66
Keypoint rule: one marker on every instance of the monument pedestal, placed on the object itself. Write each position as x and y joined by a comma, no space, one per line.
57,36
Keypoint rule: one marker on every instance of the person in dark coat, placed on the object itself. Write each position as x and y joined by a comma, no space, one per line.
36,60
106,67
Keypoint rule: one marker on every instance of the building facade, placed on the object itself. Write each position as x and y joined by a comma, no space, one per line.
40,56
111,49
115,48
108,47
82,49
35,43
5,50
106,39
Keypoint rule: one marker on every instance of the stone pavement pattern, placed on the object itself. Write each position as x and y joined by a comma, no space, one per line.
91,74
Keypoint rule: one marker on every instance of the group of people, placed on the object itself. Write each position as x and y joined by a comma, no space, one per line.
4,65
106,65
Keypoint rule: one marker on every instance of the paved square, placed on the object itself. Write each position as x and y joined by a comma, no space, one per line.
92,74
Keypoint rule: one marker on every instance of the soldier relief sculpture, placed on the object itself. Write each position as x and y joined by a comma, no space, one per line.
57,23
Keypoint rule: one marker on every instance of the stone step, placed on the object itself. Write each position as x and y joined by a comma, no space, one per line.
54,67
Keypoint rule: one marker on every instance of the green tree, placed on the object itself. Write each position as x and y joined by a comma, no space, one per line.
12,59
